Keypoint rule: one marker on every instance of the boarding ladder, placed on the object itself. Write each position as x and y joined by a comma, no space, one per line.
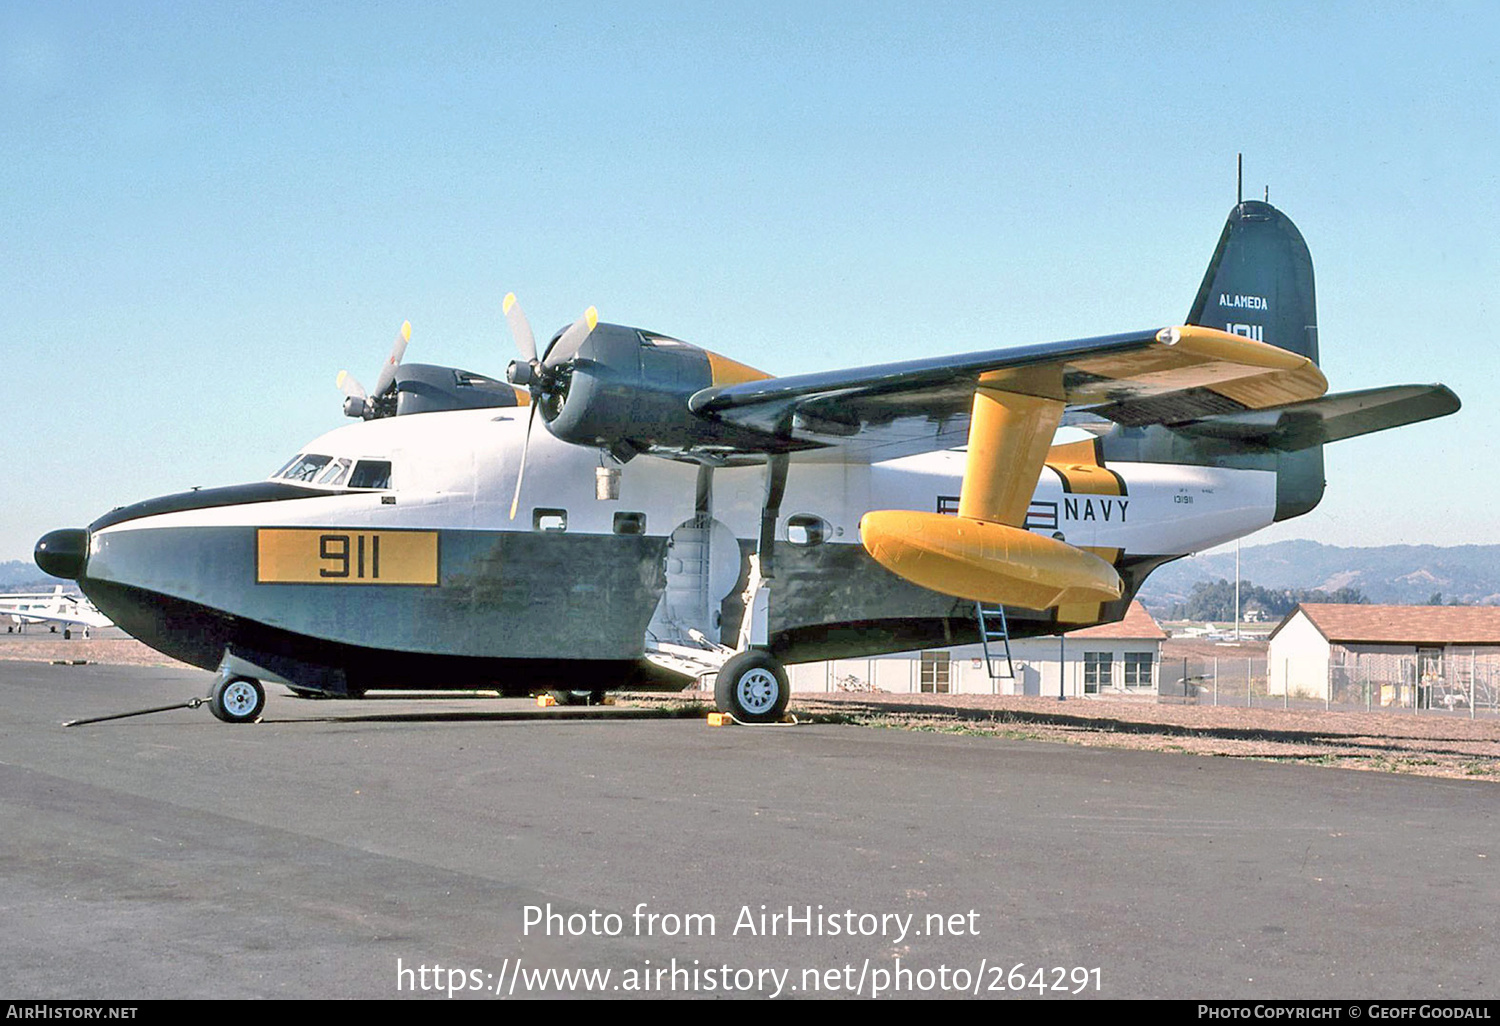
993,628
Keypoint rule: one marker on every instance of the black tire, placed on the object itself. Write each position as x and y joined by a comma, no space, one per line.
237,700
578,696
752,687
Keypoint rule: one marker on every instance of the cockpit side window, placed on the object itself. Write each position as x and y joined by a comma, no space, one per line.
288,465
304,468
371,474
335,474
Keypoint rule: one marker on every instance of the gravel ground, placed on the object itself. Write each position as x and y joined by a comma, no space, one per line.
1430,743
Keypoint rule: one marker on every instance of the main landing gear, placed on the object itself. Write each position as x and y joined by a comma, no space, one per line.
578,697
237,699
752,687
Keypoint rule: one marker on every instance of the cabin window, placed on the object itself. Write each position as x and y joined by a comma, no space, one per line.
1096,671
630,523
807,529
305,468
1138,669
371,474
549,519
936,667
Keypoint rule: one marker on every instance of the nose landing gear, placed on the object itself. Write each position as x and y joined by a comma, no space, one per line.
237,699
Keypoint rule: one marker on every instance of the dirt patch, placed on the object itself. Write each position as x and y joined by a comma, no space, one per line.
1429,744
112,647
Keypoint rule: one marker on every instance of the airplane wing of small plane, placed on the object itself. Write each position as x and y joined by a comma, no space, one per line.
80,619
1175,375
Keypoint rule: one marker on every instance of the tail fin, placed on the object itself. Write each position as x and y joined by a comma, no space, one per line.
1260,282
1260,285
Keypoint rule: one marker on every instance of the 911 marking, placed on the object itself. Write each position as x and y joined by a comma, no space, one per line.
334,549
323,555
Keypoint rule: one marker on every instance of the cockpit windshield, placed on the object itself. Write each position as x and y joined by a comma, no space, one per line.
336,472
304,468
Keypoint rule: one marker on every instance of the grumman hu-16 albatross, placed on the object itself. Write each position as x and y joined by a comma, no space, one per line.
683,515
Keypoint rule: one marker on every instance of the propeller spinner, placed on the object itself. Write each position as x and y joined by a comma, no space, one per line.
544,377
358,402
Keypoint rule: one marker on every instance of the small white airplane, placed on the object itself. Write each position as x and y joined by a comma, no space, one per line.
54,608
683,515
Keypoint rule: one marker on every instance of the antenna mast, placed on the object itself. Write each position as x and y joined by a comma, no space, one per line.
1239,179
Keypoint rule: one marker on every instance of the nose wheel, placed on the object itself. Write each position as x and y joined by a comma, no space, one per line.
237,700
752,687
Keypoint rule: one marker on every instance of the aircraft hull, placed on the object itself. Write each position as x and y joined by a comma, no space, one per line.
200,636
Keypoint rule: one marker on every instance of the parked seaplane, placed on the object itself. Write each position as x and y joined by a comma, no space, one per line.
681,515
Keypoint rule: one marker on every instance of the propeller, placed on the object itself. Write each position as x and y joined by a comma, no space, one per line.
358,402
543,377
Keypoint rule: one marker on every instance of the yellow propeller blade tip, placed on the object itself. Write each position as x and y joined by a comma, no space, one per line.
406,330
339,381
510,301
592,316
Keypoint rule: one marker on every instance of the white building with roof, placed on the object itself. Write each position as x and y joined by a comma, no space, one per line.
1392,655
1115,658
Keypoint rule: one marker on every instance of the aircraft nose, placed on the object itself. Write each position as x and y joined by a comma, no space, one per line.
63,553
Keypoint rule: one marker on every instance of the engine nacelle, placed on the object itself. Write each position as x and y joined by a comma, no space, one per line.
627,391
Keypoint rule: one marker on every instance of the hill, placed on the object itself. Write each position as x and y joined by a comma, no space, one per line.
24,575
1391,574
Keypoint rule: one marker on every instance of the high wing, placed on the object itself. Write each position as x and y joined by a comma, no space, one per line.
80,619
1168,376
52,608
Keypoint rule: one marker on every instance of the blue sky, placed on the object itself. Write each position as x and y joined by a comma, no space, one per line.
212,208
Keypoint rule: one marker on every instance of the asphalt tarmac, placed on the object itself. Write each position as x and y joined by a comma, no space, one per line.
348,849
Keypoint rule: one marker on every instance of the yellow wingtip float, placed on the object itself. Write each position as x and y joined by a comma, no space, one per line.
986,562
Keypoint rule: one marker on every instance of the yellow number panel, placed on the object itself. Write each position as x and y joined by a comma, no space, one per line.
315,555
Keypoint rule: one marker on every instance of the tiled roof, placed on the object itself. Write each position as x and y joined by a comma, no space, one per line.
1137,625
1404,625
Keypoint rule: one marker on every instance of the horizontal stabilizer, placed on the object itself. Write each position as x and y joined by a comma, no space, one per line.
1298,426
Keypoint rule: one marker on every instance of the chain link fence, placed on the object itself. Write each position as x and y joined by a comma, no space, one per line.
1462,682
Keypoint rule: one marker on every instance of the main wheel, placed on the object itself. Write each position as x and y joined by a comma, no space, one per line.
578,696
237,700
752,687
